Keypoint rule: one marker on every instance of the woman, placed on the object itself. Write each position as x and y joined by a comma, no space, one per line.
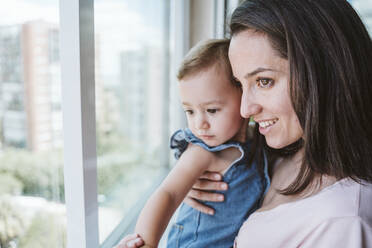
304,67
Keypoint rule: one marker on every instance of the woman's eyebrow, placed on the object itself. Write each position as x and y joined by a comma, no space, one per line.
258,70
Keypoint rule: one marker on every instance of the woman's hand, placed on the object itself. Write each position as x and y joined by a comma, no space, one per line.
131,241
208,181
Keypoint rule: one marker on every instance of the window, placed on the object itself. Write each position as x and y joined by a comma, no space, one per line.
131,78
364,9
32,213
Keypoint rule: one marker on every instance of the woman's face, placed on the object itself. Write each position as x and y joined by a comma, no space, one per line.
264,77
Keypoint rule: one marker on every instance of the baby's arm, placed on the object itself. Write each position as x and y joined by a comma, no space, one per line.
163,203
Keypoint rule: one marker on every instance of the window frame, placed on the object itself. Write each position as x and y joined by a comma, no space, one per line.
79,122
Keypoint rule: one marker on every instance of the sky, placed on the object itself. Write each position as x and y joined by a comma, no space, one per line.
19,11
119,24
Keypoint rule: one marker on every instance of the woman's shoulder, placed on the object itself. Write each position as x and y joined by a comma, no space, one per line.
365,202
344,216
342,208
344,198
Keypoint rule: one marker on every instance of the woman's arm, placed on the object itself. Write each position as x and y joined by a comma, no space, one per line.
162,204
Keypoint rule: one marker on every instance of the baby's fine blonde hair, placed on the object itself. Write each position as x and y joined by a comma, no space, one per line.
204,55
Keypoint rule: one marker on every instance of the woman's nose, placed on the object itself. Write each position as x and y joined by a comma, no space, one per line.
248,106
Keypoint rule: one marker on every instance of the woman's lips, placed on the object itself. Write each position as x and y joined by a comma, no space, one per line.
266,125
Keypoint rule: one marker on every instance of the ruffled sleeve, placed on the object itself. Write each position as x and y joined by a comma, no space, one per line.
178,143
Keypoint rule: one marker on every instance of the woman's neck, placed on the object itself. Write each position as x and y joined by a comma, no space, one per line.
285,171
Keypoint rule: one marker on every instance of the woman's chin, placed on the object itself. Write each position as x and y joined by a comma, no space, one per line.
286,148
276,144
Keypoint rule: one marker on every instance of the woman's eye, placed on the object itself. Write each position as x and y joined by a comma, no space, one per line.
212,111
189,112
264,82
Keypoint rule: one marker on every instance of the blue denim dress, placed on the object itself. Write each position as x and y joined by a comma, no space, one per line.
193,229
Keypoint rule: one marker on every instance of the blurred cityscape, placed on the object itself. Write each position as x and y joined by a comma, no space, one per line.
129,85
30,91
30,85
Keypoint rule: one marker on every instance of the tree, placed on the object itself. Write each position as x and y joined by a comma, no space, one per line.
11,222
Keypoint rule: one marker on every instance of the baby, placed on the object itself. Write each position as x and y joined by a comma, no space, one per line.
214,141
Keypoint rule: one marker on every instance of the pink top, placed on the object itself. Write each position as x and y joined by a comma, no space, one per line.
340,215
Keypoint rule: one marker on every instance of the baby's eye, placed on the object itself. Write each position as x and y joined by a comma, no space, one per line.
189,111
264,82
212,111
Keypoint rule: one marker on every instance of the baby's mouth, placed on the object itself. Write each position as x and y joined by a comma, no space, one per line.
206,136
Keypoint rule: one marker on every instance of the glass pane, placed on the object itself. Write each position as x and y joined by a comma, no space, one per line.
32,213
131,80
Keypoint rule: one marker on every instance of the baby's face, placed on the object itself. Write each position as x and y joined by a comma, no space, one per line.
212,105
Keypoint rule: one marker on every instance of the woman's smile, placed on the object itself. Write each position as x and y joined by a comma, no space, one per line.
266,125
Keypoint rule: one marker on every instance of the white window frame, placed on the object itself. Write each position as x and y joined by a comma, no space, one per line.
78,106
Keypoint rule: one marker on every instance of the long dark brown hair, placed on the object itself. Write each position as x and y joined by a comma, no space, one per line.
329,52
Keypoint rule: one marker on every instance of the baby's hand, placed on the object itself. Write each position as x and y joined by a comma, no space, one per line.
131,241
